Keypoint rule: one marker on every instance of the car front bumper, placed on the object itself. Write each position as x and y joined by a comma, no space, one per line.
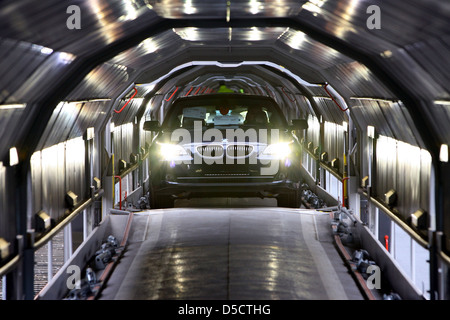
245,187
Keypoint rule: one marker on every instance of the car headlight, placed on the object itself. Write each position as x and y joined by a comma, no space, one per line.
171,151
278,150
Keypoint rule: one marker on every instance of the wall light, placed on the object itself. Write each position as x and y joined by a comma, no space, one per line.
365,182
390,197
71,199
371,132
97,183
4,249
90,133
419,219
13,157
335,163
46,50
13,106
42,221
122,165
442,102
443,154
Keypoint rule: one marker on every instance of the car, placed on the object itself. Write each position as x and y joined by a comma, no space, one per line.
225,145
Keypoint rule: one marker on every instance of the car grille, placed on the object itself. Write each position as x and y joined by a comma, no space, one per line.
239,150
210,150
233,151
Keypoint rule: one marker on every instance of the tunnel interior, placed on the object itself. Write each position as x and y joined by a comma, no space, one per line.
370,77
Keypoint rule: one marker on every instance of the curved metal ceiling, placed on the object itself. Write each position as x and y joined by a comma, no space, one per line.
124,42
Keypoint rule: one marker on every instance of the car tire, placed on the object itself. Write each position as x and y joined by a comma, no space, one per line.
162,202
289,200
159,201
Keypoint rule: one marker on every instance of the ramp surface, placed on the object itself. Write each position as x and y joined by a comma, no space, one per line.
231,253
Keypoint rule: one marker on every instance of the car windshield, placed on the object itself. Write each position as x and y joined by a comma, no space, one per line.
224,113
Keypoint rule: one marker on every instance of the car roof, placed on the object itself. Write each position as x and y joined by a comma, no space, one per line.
224,95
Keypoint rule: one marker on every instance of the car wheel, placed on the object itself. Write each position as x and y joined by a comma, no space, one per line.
159,201
289,200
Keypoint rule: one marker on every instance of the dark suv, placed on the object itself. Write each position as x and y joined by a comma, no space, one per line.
226,145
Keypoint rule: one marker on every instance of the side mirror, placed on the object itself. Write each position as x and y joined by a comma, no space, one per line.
299,124
152,125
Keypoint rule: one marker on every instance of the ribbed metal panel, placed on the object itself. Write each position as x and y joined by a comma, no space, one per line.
9,119
406,169
55,171
333,141
330,111
72,119
390,118
75,180
5,218
102,82
310,52
127,114
53,174
45,23
313,131
355,79
123,143
18,61
36,181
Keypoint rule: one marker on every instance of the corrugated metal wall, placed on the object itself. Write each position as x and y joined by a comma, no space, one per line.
313,131
124,142
7,216
406,169
55,171
333,142
72,119
390,118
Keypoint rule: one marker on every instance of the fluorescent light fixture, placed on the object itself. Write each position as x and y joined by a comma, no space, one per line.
371,131
189,8
443,154
65,57
254,6
46,50
13,106
314,6
188,33
443,102
13,156
386,54
296,39
112,127
90,133
149,45
345,125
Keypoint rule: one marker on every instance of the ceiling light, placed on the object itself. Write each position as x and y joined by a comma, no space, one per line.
371,132
442,102
46,50
345,125
90,133
13,106
13,156
443,154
